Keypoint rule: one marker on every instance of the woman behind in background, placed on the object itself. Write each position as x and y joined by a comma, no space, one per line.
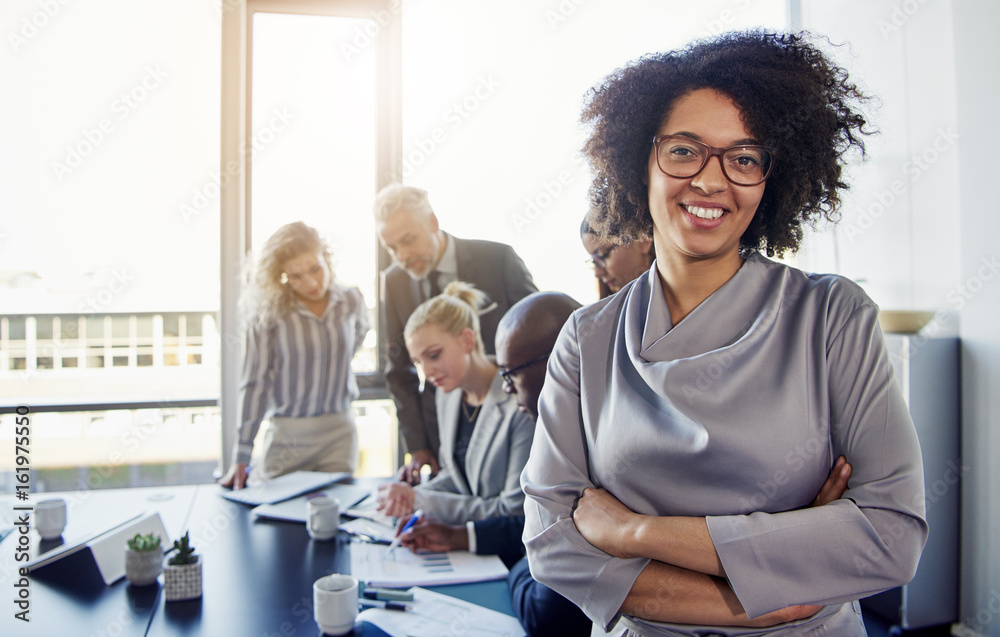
302,330
485,439
615,264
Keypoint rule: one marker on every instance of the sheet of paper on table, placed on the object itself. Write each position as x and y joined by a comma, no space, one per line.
402,568
375,531
367,508
434,614
294,510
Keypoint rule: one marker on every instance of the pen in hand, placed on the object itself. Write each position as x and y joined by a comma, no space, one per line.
406,527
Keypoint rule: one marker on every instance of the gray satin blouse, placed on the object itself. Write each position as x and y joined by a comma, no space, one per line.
736,414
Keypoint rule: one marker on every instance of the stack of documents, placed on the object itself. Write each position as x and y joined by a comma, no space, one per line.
283,487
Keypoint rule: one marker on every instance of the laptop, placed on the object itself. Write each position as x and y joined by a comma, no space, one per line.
283,487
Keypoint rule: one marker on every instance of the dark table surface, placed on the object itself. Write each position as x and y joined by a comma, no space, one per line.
257,574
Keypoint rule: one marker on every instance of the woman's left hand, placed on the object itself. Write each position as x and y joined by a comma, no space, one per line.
605,522
396,499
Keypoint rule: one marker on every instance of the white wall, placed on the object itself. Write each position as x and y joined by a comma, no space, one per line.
935,243
899,234
977,60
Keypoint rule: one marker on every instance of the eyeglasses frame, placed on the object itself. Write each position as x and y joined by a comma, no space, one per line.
712,152
601,260
506,373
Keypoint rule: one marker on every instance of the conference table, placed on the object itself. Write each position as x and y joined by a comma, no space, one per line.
257,574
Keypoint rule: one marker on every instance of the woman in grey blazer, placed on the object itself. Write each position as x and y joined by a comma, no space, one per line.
485,440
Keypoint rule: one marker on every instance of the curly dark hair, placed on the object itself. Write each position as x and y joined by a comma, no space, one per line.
791,97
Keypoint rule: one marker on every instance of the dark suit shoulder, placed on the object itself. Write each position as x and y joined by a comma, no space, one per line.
477,247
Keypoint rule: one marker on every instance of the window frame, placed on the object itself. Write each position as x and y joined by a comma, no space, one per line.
235,198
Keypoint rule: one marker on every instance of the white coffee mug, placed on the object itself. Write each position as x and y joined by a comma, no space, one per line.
335,603
322,517
50,518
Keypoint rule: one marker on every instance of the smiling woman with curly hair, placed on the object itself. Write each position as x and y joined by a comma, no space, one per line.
789,98
690,459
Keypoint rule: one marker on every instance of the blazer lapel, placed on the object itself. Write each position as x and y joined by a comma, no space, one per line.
448,426
490,418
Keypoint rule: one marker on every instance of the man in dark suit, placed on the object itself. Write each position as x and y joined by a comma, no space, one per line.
426,259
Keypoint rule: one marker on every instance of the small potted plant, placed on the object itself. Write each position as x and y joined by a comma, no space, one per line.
182,572
143,559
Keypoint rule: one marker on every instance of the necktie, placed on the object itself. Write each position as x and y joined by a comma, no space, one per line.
434,279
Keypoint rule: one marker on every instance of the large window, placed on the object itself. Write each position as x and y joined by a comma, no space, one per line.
115,189
109,239
315,142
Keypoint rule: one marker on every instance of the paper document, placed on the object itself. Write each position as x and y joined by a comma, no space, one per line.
368,508
294,510
283,487
401,568
434,614
369,530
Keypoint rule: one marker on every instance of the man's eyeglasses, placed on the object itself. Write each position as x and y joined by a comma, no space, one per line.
506,373
683,157
600,258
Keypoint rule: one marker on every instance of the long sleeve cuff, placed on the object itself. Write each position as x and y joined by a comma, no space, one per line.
470,528
243,452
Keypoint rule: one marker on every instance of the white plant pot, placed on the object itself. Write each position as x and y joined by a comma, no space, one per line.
143,567
181,581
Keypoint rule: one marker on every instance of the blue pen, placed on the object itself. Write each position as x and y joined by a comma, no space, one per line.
406,527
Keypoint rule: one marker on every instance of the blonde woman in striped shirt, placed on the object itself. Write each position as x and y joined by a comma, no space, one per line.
302,330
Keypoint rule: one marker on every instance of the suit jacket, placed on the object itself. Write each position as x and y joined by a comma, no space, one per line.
501,536
493,268
497,452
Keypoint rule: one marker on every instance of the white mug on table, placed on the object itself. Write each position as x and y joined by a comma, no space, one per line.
322,517
50,518
335,603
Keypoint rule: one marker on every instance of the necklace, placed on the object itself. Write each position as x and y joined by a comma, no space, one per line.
470,416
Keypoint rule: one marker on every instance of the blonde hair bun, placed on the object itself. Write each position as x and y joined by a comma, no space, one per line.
457,308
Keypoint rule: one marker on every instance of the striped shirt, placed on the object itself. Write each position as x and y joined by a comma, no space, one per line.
300,366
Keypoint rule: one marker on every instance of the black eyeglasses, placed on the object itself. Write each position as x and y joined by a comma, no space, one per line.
599,259
506,373
683,158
